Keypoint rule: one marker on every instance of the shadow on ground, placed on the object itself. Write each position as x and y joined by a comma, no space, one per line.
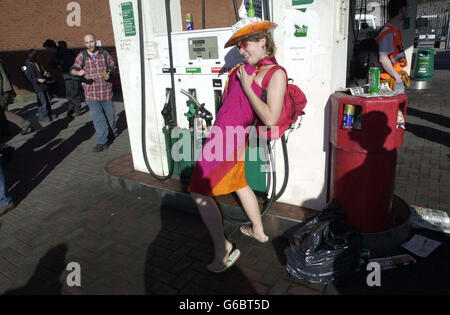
46,277
37,157
428,133
40,154
30,110
431,117
179,255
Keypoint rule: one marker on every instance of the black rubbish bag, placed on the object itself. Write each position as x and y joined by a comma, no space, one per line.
322,250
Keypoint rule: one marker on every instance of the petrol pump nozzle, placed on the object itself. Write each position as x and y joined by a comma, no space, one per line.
196,107
167,115
167,112
193,107
191,113
192,98
206,115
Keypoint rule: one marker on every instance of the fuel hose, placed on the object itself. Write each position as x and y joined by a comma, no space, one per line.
143,94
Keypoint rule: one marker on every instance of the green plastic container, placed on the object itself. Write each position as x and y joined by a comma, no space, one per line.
255,170
186,165
424,64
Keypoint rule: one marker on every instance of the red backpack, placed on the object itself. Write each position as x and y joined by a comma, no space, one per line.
294,103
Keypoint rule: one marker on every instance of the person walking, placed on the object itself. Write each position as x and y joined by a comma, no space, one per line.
96,66
243,102
390,49
72,82
37,77
63,59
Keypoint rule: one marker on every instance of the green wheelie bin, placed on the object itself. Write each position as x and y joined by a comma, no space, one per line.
424,64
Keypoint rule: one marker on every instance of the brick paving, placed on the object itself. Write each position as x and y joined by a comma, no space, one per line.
126,244
423,165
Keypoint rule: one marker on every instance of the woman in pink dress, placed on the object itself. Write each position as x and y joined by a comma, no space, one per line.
220,172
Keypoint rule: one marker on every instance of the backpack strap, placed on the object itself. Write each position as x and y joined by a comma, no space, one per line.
295,106
268,76
84,54
105,55
266,80
83,58
265,84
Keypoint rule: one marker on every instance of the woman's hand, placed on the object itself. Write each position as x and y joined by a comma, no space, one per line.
245,79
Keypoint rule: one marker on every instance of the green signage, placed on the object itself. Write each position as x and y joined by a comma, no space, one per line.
193,70
300,2
301,31
128,19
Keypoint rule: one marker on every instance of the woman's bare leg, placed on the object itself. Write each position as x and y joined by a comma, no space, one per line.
212,218
251,207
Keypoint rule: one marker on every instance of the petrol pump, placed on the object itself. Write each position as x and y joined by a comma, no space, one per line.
161,65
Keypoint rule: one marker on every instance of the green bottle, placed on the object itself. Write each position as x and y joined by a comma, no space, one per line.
251,9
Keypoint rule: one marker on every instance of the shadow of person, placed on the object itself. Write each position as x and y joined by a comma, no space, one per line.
428,133
431,117
62,109
366,172
121,122
45,279
177,257
39,156
372,138
28,111
121,125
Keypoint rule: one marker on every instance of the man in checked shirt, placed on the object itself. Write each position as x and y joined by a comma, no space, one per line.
96,65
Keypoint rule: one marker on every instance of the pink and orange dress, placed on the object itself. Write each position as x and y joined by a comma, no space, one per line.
220,168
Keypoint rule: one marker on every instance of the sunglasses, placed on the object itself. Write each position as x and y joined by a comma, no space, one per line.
242,45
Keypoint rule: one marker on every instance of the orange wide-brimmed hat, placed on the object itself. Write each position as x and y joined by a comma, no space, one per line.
248,26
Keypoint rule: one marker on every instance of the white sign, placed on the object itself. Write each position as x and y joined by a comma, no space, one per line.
301,38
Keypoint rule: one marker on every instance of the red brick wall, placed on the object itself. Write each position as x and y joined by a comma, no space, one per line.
30,22
26,24
219,13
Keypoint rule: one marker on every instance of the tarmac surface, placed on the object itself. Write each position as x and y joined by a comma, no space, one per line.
125,244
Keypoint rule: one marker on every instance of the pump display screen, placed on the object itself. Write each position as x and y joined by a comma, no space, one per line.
203,47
